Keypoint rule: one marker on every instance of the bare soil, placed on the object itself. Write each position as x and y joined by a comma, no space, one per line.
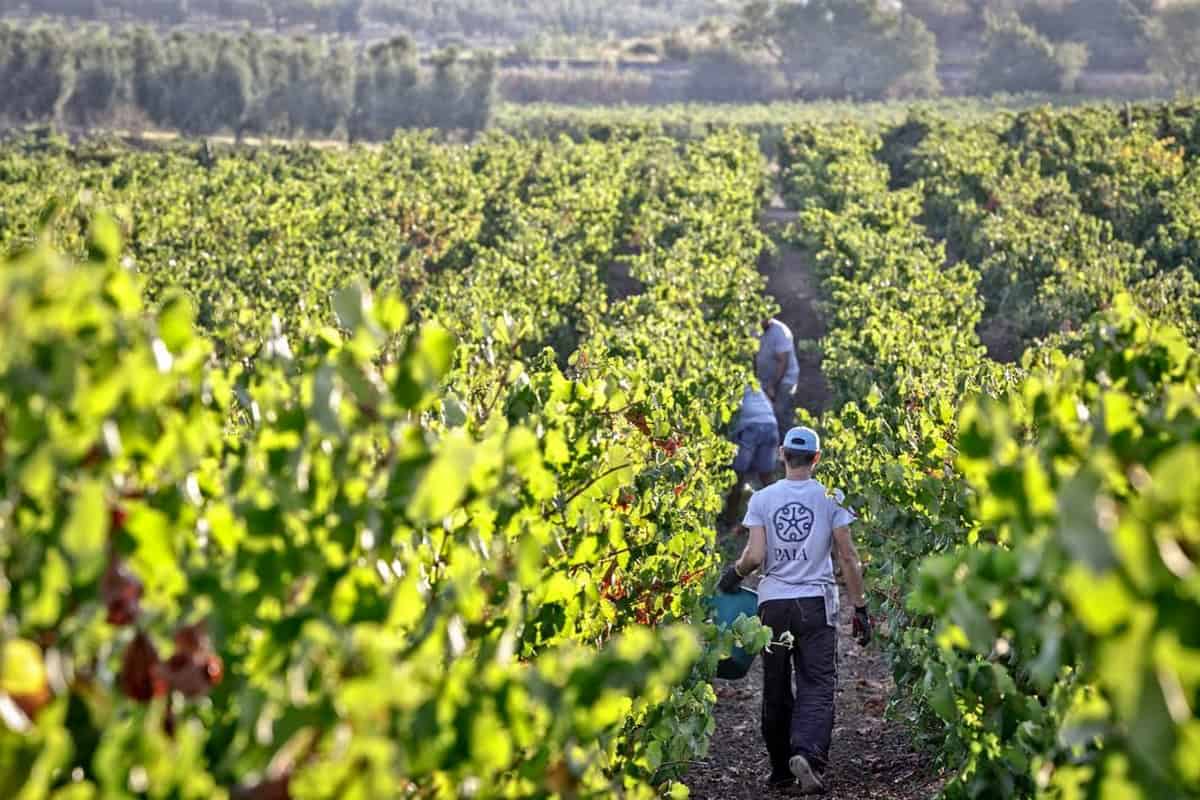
791,285
873,757
1002,340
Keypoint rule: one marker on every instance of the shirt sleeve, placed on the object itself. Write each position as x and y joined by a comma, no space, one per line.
754,515
780,341
842,516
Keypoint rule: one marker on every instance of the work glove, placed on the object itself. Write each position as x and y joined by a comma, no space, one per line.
862,626
730,580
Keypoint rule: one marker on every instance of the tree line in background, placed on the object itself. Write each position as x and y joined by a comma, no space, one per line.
874,49
878,50
248,83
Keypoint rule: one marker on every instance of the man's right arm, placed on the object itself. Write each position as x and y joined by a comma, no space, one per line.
754,553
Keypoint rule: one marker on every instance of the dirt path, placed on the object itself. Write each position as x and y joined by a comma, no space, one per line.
790,283
872,757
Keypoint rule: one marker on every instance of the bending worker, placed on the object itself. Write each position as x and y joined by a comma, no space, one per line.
796,529
757,436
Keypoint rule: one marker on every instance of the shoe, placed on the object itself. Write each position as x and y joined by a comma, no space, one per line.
809,781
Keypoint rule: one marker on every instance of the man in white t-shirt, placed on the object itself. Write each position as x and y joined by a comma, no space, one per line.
796,530
778,370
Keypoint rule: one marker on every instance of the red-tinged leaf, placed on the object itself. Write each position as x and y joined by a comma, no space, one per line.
187,675
141,671
193,669
192,638
93,458
122,613
215,668
117,517
121,592
273,789
638,420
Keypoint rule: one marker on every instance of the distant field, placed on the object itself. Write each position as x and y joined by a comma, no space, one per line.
684,121
767,122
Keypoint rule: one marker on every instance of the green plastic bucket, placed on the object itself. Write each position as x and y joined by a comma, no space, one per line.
727,608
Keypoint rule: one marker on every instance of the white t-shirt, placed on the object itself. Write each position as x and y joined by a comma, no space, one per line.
756,409
799,517
776,339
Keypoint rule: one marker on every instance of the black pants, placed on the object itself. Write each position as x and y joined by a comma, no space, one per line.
800,723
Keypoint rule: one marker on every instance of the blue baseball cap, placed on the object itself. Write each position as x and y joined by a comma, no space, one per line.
803,440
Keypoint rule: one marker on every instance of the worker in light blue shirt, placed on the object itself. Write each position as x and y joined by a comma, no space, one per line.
756,433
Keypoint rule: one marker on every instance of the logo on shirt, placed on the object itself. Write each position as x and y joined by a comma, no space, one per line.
793,522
